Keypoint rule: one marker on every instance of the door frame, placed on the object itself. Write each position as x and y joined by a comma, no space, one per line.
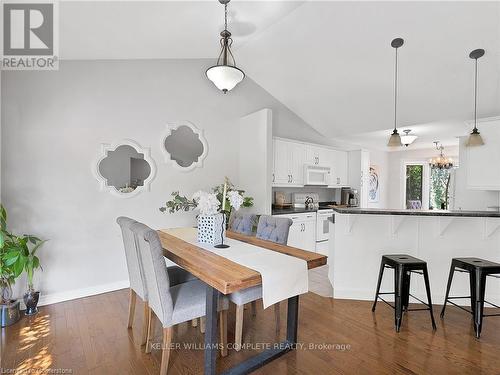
425,182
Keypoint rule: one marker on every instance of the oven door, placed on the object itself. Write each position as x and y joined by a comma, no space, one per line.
323,225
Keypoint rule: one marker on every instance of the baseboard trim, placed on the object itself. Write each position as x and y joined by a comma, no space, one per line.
69,295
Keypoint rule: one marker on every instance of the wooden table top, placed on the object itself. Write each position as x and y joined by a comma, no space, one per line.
221,273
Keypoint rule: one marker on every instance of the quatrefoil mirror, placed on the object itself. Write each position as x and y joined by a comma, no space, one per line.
184,146
124,169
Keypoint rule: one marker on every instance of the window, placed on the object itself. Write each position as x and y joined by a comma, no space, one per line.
414,186
439,188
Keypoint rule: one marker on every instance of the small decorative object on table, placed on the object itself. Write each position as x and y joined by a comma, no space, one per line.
214,210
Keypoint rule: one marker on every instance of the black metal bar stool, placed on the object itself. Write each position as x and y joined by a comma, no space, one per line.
404,265
478,269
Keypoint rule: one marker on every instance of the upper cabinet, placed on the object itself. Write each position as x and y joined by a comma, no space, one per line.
478,158
288,163
340,163
290,159
317,155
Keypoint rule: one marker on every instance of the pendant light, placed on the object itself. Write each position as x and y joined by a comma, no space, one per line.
225,75
395,139
475,138
408,138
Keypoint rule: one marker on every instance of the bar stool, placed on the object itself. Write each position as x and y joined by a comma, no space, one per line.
404,265
478,269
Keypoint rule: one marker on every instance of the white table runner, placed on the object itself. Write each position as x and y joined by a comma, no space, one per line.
283,276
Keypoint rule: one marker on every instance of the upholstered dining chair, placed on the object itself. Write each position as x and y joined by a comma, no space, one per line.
270,228
242,223
136,275
172,305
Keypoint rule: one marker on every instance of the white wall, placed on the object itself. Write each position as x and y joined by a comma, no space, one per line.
395,176
381,160
256,159
53,125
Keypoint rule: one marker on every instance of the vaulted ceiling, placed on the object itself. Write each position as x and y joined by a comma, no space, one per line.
329,62
333,65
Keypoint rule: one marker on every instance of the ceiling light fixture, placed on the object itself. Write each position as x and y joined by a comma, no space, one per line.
225,75
475,138
395,139
440,162
408,138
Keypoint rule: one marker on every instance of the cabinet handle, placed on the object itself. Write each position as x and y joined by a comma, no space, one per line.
291,178
273,177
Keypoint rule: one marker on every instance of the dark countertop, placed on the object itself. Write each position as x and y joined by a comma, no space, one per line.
383,211
291,210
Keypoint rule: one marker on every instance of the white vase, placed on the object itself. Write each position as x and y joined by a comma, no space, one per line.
211,228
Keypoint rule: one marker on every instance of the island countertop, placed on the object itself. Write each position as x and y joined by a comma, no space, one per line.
387,211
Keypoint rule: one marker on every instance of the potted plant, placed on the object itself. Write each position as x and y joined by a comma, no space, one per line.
23,256
9,308
213,209
18,255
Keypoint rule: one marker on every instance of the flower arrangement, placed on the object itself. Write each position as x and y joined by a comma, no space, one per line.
224,197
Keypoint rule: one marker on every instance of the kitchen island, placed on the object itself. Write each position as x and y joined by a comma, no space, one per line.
359,238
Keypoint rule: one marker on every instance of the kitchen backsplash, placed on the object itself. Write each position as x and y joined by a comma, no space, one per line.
325,194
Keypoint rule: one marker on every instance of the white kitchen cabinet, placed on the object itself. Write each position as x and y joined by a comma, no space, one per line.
281,172
339,164
288,164
291,157
480,164
296,162
318,155
302,233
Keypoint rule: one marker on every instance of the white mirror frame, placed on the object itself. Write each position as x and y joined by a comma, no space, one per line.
105,148
168,158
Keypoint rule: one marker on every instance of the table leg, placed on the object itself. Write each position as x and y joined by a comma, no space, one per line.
277,349
212,300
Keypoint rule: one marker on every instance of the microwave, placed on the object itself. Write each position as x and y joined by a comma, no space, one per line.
316,175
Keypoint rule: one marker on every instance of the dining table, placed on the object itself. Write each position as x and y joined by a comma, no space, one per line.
223,277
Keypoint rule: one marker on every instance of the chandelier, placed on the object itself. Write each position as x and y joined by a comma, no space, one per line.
440,162
224,74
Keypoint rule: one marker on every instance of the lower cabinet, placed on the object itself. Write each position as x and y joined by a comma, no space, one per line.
303,231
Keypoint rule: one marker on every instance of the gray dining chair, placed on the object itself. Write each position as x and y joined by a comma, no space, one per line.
270,228
176,274
172,305
242,223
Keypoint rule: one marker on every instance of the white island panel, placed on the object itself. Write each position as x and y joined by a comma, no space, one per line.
360,240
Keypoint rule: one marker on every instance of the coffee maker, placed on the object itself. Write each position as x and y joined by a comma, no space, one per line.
349,197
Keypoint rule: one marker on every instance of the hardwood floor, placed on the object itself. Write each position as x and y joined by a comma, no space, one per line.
90,336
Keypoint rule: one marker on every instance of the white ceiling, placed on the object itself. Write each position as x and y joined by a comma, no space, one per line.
329,62
332,64
160,29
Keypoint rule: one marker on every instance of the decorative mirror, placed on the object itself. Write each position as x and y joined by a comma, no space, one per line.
184,146
124,169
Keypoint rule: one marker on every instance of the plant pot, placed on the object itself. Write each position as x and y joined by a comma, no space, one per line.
9,313
31,301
